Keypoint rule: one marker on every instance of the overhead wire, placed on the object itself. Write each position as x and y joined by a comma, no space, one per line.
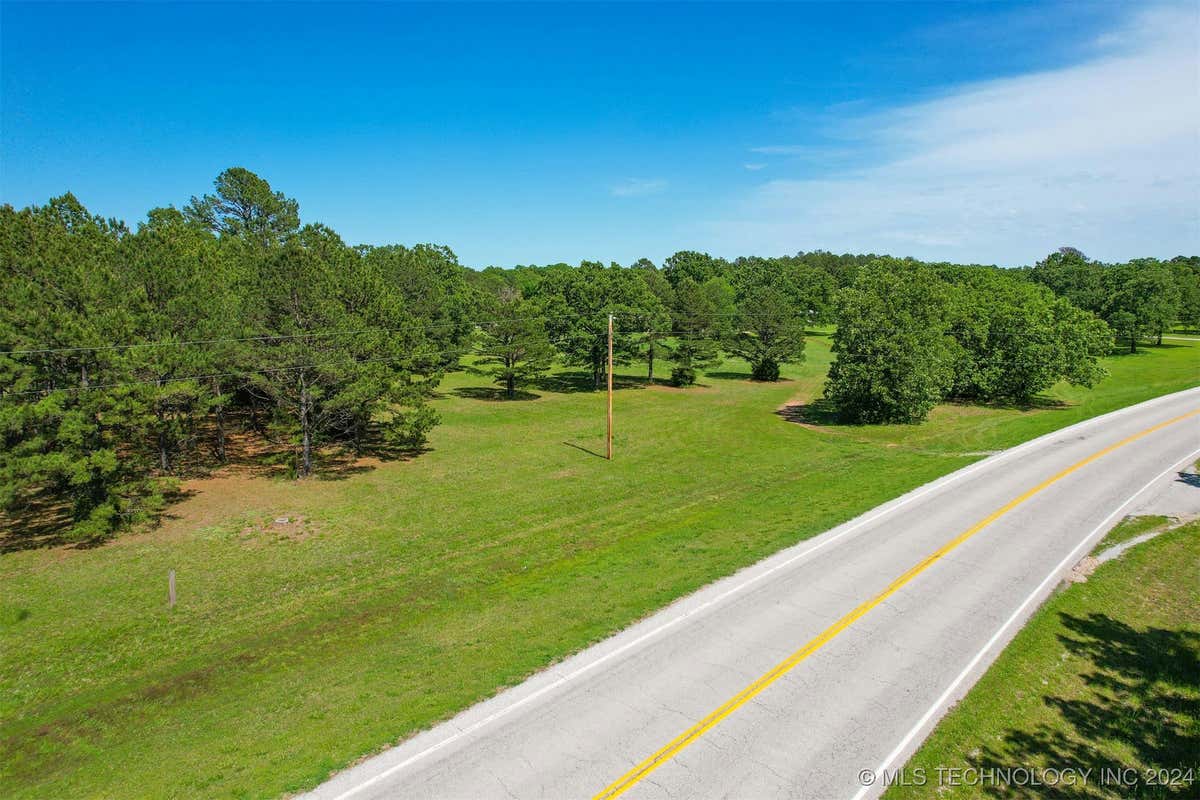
459,351
640,316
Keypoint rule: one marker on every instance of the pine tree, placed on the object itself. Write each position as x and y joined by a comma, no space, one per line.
513,342
69,440
768,332
698,326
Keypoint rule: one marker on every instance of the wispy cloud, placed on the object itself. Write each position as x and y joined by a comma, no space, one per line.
636,187
783,149
754,167
1104,155
834,153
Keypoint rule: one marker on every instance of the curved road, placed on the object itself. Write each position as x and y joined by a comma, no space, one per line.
836,656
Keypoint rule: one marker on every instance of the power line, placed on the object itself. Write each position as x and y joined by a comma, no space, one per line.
185,378
322,334
599,316
460,352
267,337
242,373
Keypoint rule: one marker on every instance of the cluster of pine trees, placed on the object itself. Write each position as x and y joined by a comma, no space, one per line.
130,358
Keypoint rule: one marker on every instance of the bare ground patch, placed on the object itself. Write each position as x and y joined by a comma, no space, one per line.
815,415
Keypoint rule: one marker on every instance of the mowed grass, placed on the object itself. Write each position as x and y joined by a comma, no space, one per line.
400,594
1105,676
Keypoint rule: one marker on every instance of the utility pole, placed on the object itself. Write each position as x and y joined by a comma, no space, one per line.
610,370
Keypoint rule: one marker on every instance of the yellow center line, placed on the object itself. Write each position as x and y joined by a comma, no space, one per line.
673,747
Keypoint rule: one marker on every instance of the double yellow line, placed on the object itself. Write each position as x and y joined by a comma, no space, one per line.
673,747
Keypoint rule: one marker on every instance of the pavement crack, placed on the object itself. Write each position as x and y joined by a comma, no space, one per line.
659,786
504,785
783,780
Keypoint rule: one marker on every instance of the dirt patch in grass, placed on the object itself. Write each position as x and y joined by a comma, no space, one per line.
210,500
1081,571
277,529
814,415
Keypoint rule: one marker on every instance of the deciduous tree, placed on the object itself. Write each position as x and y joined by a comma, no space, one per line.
892,352
577,304
1142,300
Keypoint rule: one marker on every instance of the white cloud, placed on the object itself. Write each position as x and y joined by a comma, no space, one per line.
1104,155
636,187
754,167
783,150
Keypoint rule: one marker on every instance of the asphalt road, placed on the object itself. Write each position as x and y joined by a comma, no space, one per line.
828,660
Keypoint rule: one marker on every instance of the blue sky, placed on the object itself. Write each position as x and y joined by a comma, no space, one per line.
987,132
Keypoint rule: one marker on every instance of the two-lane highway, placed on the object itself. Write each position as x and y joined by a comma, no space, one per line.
834,657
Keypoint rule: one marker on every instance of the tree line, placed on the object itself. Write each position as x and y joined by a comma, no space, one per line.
907,334
1139,299
910,335
691,312
132,357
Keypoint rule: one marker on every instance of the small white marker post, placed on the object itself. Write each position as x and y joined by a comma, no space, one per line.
171,589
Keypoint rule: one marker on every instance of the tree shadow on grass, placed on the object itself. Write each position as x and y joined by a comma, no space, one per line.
819,412
340,464
40,522
45,521
1035,403
586,450
1143,348
823,413
493,394
1141,698
723,375
741,376
581,381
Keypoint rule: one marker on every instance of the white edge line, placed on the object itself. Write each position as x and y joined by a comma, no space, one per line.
890,506
1055,575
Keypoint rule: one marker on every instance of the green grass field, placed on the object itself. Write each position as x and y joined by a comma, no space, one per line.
1106,675
401,592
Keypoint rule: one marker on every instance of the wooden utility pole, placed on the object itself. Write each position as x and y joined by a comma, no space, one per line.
610,326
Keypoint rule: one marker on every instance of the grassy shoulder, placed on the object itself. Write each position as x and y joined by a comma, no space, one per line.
1131,528
1105,676
399,593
